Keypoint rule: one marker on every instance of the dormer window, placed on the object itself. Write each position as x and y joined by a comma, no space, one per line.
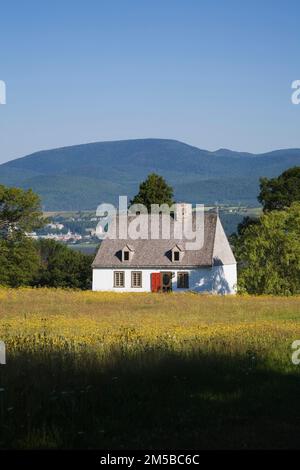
177,253
127,253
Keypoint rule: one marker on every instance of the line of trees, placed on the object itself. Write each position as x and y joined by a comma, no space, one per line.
27,262
268,249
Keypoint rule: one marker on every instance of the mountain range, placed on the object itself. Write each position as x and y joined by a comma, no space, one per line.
82,176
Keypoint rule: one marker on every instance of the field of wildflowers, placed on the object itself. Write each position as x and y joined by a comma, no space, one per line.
104,370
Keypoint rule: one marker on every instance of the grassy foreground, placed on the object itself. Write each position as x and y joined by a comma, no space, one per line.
97,370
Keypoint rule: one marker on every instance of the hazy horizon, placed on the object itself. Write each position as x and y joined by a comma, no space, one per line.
148,138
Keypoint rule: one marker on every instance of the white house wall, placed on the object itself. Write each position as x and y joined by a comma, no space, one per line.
218,279
222,253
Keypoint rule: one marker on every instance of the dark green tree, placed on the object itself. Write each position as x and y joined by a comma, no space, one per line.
63,267
24,261
279,193
20,212
154,190
242,226
19,262
268,253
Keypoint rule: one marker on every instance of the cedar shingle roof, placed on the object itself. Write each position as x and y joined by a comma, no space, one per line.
157,253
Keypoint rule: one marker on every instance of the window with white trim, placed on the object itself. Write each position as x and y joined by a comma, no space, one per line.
136,279
119,279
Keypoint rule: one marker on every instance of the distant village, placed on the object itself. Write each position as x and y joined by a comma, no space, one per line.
74,228
78,228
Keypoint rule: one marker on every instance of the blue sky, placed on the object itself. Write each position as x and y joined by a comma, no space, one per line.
210,73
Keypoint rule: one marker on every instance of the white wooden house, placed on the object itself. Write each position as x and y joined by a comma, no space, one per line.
126,265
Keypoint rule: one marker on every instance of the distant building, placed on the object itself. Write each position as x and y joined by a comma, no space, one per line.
63,237
55,226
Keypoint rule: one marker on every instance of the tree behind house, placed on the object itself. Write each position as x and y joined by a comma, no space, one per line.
279,193
154,190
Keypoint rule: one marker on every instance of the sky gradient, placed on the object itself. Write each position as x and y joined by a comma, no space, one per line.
210,73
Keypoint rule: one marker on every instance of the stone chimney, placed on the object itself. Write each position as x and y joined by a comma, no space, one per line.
182,210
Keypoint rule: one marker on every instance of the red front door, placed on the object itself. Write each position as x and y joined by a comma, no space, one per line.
156,282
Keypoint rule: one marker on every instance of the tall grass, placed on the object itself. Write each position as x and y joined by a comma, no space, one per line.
100,370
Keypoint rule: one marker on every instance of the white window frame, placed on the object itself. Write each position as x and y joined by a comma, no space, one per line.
133,274
117,283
